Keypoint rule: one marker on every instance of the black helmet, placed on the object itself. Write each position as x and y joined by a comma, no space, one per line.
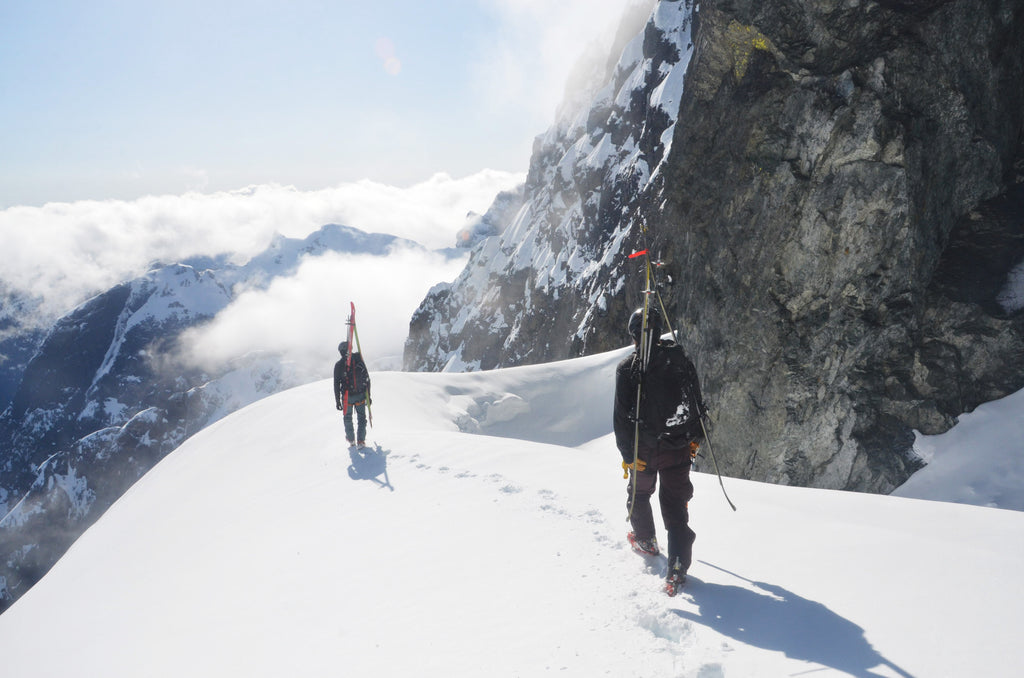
636,323
343,348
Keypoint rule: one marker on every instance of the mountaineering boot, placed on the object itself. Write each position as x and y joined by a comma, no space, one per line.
646,547
676,578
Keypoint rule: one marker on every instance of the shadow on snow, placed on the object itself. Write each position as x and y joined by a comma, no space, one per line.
370,464
777,619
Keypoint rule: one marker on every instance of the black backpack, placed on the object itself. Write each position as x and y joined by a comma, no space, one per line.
358,377
670,400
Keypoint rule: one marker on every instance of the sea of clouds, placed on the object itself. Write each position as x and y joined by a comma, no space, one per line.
64,253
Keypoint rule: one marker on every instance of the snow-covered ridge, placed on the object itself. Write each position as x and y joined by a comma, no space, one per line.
110,390
445,553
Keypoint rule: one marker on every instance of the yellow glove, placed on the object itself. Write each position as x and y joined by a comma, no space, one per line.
640,466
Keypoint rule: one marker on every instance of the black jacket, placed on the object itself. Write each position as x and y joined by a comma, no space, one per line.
355,380
670,402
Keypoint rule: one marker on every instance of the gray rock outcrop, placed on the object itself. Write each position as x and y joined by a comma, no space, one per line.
820,223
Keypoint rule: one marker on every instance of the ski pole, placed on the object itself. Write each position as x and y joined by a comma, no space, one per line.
369,409
664,312
707,436
711,448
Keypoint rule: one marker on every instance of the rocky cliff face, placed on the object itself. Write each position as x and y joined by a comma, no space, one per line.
102,399
824,208
835,188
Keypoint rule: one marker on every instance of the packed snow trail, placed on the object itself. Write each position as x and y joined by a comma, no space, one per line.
252,551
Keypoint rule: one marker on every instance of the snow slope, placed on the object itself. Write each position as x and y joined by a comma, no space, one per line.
979,461
486,539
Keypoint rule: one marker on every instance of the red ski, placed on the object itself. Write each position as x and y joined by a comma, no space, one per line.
348,354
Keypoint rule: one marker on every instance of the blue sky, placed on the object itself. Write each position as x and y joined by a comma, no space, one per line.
117,99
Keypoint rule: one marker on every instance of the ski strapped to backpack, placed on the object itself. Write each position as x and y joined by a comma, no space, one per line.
351,322
644,349
646,342
359,349
354,332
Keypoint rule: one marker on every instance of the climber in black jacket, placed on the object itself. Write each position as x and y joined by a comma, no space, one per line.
663,432
356,381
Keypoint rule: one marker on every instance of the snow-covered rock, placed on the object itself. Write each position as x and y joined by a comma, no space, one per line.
493,222
534,291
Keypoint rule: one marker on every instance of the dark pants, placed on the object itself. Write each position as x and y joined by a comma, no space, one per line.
360,407
673,466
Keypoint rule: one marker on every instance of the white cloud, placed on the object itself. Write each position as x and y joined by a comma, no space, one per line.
302,318
540,45
66,252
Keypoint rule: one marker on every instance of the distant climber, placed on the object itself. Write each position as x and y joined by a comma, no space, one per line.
656,418
352,391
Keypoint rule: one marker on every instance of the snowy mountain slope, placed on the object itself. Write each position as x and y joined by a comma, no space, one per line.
979,461
535,290
462,554
106,394
20,336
